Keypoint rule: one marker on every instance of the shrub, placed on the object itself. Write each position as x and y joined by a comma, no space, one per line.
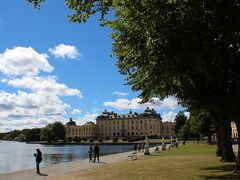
115,139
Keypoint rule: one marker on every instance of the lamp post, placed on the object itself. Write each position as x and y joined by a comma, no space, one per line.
147,146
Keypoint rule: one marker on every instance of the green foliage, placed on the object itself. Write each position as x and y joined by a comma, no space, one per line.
22,138
46,134
34,135
115,139
59,131
180,121
36,3
201,122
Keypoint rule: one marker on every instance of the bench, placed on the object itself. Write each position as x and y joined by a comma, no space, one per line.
133,155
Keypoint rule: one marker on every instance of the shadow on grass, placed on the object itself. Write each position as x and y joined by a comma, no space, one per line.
224,176
226,169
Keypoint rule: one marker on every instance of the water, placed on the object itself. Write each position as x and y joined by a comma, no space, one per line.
16,156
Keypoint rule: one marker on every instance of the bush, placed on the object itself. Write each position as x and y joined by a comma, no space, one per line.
100,140
115,139
69,139
134,138
91,140
153,137
78,139
124,139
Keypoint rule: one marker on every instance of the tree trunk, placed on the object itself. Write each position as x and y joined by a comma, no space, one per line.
227,150
222,127
209,138
219,141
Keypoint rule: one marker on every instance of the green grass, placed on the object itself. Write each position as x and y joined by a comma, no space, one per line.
195,161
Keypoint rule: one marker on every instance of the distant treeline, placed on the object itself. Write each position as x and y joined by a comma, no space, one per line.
51,132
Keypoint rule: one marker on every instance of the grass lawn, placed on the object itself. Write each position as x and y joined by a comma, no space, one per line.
195,161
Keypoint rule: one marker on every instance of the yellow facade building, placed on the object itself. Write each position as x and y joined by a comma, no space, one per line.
110,125
88,130
148,123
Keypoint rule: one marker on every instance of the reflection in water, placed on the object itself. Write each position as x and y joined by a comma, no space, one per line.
15,156
58,158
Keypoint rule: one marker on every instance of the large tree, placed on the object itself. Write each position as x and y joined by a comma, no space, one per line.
58,131
180,121
46,133
185,48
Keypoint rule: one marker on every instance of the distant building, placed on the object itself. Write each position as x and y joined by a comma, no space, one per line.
167,129
148,123
234,130
88,130
110,125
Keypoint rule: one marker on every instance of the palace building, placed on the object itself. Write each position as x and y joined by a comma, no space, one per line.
110,125
148,123
88,130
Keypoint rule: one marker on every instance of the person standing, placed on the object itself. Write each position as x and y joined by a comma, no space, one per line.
38,157
96,152
90,152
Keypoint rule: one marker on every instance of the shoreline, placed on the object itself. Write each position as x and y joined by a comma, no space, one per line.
69,167
92,143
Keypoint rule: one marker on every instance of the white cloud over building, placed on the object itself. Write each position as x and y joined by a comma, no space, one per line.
121,104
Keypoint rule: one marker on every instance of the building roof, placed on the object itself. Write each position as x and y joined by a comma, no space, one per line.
71,122
147,113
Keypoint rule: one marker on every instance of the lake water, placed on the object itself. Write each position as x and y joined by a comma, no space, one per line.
16,156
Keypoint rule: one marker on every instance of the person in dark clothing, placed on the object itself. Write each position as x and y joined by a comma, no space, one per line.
135,147
38,157
96,152
237,164
90,152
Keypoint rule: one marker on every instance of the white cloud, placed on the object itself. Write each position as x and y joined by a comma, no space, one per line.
28,123
65,51
88,117
170,102
121,94
23,61
76,111
24,104
169,116
46,85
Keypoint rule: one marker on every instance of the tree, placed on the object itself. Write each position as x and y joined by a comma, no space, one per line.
22,137
180,121
46,134
59,131
185,48
34,134
201,123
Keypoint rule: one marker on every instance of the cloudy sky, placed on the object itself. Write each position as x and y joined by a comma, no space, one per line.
51,69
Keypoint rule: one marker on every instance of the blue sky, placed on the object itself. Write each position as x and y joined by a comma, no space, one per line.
51,69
